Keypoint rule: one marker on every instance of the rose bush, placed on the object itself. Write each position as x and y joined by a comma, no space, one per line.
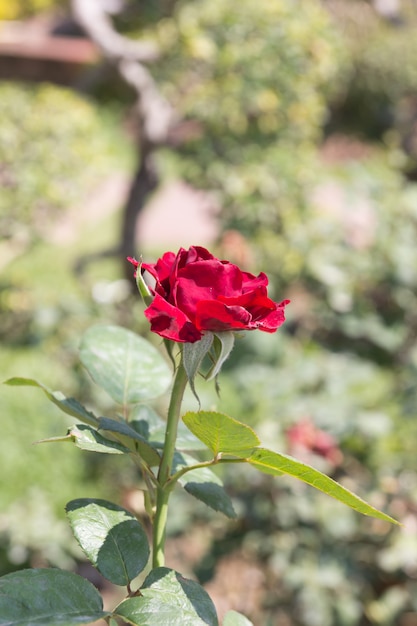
194,296
195,292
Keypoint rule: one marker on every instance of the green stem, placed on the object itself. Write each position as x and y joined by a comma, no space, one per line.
216,461
164,487
175,477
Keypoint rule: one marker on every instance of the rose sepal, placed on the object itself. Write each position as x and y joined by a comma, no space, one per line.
193,355
222,346
217,346
143,288
169,346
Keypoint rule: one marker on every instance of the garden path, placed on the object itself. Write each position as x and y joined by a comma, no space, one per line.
176,215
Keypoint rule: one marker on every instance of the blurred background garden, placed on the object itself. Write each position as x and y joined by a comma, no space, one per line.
282,134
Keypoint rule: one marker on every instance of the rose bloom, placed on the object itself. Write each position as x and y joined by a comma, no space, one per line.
194,292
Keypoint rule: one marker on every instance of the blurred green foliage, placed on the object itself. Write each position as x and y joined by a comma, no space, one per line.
55,149
44,310
46,164
251,80
349,259
20,9
377,90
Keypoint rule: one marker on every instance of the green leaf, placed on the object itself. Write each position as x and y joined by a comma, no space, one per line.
221,433
233,618
70,406
152,427
193,355
111,538
204,484
87,438
123,429
185,440
145,420
274,463
42,597
213,495
169,598
127,366
223,344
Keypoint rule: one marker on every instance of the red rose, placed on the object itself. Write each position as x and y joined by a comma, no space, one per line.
195,292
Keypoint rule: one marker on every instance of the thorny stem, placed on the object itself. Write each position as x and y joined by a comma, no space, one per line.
164,487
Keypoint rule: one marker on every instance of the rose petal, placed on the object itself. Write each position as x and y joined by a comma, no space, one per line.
256,302
134,263
161,272
273,321
216,316
203,281
251,282
192,255
169,322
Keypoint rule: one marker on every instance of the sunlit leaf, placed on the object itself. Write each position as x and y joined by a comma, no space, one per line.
203,484
274,463
233,618
127,366
124,430
185,440
70,406
169,598
111,538
145,420
151,426
221,433
86,438
48,597
213,495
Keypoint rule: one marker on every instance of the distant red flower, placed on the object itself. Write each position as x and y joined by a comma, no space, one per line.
306,437
196,292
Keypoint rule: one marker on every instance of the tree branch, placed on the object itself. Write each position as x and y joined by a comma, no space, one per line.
155,116
93,19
